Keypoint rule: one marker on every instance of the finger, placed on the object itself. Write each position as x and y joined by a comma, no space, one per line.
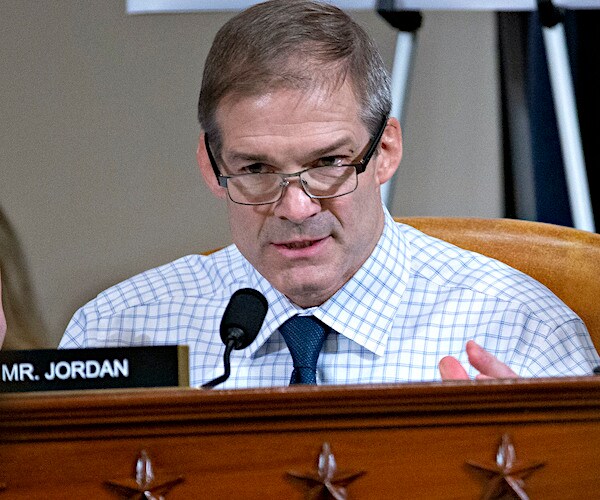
487,364
451,369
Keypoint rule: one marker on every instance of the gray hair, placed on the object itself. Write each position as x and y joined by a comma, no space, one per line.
293,44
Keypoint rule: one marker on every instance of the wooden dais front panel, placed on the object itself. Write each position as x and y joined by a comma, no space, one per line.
539,438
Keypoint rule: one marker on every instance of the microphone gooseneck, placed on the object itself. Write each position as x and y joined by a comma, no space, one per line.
242,320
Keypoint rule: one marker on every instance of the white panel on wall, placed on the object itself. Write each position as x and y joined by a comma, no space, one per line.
156,6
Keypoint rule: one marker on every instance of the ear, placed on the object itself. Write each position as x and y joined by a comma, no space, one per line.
207,171
390,151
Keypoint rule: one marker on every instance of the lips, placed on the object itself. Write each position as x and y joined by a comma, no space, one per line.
298,244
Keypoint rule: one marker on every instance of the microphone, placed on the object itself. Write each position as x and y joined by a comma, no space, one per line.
242,319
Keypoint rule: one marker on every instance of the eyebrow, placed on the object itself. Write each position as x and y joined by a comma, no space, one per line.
235,156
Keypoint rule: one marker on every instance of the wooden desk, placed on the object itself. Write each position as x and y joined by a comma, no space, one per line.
411,441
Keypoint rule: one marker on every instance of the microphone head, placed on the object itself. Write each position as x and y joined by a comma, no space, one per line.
243,317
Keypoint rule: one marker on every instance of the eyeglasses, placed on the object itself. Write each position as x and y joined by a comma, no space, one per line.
318,182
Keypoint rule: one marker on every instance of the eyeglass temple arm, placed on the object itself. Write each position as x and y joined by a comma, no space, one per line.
365,160
221,179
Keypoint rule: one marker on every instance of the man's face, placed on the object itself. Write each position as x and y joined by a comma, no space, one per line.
306,248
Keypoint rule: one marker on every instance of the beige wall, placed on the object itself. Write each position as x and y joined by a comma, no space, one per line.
98,134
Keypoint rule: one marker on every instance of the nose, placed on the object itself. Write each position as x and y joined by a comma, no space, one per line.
295,205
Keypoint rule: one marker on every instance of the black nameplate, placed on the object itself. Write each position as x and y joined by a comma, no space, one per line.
96,368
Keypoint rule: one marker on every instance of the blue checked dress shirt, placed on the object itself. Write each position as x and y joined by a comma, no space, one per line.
415,300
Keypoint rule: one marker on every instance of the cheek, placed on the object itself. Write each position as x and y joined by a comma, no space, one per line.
367,197
237,221
245,224
362,218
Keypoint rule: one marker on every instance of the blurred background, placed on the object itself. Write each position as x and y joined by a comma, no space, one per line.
98,178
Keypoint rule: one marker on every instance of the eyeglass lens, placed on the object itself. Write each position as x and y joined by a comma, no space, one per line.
318,182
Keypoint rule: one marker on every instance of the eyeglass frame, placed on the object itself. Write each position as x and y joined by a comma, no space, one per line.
360,166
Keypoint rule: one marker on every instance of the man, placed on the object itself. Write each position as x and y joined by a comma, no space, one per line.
297,140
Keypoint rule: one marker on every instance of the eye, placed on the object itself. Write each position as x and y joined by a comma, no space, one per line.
330,161
255,168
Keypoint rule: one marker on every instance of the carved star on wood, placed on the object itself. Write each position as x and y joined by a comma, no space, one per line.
508,474
327,482
144,486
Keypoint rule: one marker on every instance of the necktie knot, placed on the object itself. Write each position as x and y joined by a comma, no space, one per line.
304,336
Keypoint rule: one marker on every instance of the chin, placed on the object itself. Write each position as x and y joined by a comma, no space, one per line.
306,292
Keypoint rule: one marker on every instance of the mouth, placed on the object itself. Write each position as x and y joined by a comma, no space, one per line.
299,245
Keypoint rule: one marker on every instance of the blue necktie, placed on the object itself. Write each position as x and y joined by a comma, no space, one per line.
304,336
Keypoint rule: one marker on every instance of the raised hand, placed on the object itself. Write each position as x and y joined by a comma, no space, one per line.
489,366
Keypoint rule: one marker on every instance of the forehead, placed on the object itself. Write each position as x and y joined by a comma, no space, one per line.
287,112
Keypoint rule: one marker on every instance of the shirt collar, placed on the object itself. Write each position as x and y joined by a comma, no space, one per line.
363,310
